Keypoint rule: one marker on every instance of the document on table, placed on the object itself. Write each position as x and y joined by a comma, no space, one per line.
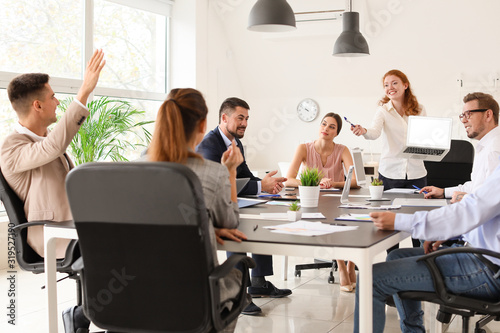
284,216
350,195
280,216
305,228
361,206
331,189
355,217
420,202
401,190
278,203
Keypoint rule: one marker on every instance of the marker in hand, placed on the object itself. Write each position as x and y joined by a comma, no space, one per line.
349,121
418,188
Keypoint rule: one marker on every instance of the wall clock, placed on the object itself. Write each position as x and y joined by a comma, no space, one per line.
307,110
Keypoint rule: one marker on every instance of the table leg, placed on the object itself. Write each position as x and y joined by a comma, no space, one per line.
51,281
365,295
285,268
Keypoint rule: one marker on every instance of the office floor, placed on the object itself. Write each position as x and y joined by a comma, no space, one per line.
314,306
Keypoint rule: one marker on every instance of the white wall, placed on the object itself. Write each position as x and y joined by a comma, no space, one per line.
433,42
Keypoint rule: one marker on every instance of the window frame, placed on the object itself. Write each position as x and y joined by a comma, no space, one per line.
71,86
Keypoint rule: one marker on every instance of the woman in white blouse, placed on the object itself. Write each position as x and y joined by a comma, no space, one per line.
391,120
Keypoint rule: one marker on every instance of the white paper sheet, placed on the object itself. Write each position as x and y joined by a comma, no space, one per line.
305,228
284,216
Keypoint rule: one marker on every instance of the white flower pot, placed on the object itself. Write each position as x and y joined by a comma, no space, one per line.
294,215
309,196
376,192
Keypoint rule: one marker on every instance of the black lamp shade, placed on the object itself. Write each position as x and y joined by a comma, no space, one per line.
271,16
351,42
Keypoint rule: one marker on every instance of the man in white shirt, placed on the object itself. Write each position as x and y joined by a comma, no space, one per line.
480,119
476,218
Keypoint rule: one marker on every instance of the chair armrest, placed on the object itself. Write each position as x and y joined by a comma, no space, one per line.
220,317
228,265
77,265
437,277
19,227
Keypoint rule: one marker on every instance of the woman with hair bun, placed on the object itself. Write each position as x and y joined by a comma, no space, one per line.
332,160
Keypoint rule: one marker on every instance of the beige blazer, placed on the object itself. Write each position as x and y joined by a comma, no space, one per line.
36,170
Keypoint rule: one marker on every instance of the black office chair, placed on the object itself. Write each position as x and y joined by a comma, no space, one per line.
450,303
455,168
147,259
26,257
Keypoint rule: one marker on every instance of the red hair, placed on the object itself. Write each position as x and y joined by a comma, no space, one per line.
410,102
175,124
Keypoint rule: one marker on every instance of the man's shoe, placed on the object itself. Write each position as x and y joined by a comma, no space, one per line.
74,320
268,290
252,310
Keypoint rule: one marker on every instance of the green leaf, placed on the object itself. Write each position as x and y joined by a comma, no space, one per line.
113,127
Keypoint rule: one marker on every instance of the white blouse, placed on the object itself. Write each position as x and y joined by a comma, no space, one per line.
394,139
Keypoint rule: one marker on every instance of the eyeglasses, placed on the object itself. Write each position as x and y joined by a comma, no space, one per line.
466,114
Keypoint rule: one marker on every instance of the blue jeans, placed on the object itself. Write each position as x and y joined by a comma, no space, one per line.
463,273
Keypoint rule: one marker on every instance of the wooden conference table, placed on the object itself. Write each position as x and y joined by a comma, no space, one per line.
360,246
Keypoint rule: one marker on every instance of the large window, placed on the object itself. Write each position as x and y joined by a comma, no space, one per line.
58,36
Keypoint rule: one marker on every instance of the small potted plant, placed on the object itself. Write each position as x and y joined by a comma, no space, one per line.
376,189
294,213
309,188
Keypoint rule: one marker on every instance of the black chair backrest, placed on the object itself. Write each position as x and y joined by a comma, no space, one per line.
26,257
144,236
455,168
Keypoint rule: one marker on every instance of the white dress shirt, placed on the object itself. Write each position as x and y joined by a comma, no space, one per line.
394,132
228,143
476,217
486,159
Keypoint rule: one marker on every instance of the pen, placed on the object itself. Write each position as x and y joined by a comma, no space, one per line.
418,188
255,228
348,121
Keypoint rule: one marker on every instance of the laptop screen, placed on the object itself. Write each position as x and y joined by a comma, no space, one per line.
429,132
347,186
359,167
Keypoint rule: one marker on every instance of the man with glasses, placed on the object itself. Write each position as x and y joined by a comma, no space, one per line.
476,218
480,119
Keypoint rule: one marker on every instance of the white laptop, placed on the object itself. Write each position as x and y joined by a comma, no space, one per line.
344,198
428,138
359,167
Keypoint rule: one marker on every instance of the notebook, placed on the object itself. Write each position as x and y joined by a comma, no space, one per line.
427,138
245,202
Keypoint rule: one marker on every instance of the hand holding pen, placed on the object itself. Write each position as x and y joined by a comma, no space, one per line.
420,190
356,129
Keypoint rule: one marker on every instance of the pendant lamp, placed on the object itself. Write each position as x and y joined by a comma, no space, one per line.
271,16
351,42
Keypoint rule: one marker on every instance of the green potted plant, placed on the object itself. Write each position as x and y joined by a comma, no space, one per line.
112,128
376,189
294,213
309,188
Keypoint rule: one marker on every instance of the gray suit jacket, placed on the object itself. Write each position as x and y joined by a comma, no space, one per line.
36,170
